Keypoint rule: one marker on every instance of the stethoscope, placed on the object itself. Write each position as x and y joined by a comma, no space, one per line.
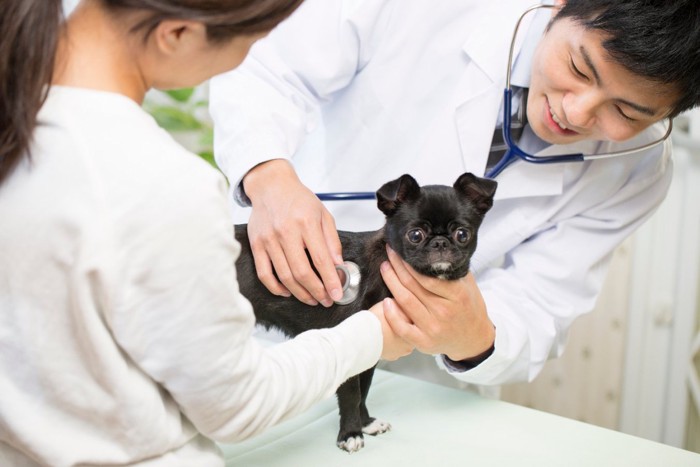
514,152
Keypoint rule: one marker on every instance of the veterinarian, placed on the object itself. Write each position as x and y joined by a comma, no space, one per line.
123,337
347,95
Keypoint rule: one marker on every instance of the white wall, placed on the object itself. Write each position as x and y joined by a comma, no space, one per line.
664,295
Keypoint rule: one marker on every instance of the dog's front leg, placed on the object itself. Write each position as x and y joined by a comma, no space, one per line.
370,425
350,436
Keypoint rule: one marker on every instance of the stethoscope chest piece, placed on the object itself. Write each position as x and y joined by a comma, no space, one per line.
350,275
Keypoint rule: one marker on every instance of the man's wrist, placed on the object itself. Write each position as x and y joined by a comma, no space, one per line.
240,196
474,361
471,362
258,178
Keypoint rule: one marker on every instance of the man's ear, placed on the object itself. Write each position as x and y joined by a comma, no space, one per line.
173,36
557,6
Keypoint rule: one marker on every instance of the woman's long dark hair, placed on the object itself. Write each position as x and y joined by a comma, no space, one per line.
28,36
29,33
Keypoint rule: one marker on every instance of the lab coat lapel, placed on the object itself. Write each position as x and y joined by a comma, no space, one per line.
484,79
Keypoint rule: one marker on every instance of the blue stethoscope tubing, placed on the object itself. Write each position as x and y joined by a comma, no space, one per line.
347,196
513,152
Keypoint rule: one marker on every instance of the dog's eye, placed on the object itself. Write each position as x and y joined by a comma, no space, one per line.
461,235
415,236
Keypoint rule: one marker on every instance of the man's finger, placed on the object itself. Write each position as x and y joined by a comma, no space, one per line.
406,274
323,261
425,286
298,276
409,303
335,250
401,324
283,267
263,268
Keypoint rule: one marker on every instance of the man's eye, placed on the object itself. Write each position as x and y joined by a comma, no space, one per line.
415,236
623,114
576,71
461,235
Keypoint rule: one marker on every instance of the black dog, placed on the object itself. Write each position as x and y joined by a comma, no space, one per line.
433,228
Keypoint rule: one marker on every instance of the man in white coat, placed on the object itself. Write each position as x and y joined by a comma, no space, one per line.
348,94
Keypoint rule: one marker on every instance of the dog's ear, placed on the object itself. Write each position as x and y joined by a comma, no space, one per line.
479,191
393,194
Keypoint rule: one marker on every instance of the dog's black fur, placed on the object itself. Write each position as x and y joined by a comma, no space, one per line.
433,228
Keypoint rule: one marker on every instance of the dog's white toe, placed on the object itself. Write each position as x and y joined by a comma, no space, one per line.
376,427
352,444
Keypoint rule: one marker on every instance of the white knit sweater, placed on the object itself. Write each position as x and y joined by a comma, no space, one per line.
123,336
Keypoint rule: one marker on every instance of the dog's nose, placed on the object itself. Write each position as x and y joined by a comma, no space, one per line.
439,243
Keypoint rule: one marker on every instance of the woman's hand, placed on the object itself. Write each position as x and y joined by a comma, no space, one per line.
434,315
394,346
287,221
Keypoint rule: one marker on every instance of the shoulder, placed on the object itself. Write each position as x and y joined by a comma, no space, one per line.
133,168
123,141
651,164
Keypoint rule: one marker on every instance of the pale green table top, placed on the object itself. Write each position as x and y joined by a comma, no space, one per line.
436,426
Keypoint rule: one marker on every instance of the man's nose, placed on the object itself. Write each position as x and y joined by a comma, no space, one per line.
581,108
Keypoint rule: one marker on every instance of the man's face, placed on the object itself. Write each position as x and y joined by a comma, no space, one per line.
577,92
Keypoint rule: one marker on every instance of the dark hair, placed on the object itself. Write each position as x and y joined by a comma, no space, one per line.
29,34
223,18
28,37
656,39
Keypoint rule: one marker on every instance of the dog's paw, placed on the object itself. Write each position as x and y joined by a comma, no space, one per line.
352,443
376,427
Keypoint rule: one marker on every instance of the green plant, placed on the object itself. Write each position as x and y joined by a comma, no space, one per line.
183,113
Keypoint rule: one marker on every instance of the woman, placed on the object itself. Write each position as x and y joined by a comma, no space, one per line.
123,337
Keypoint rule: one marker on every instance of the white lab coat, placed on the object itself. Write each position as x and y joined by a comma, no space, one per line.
358,92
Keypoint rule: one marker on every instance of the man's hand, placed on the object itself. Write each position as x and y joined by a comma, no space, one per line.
436,316
287,221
